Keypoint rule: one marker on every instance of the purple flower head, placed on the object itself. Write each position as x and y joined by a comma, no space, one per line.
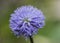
26,21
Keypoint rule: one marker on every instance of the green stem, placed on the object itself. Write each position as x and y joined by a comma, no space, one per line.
31,39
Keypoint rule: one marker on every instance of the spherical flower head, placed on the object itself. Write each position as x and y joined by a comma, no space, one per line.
26,21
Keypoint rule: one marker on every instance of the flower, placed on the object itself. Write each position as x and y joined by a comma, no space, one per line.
26,21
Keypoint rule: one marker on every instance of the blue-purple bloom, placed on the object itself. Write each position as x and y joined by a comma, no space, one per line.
26,21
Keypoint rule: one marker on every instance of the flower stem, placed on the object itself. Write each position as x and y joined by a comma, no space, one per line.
31,39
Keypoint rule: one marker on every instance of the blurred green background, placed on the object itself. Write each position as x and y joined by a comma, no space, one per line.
49,34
